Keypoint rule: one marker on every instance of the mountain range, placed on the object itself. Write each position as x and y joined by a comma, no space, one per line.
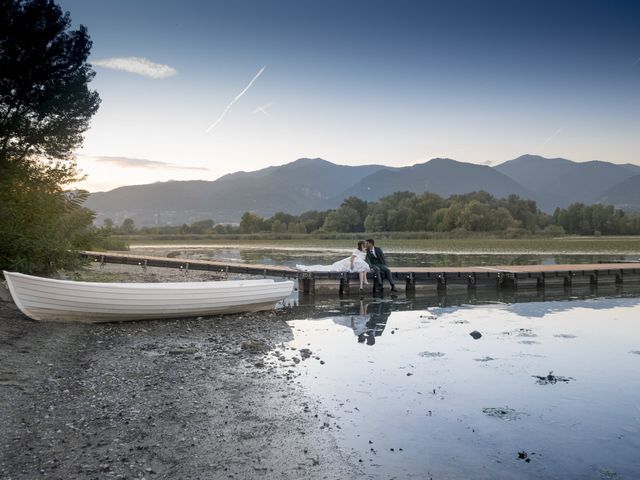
316,184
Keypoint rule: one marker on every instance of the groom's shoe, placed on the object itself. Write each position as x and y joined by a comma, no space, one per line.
393,288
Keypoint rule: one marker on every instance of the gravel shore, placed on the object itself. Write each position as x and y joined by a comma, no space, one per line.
203,398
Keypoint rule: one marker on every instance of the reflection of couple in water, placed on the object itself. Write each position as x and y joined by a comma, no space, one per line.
367,326
364,259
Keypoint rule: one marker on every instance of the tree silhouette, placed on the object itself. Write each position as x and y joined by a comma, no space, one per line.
45,107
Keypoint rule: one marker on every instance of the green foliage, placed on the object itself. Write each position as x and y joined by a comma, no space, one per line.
598,219
45,103
277,226
225,229
412,216
408,215
197,228
108,224
344,219
39,229
45,106
251,223
128,227
104,241
312,220
474,212
201,227
296,228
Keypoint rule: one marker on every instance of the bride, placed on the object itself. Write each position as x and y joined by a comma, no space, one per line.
355,263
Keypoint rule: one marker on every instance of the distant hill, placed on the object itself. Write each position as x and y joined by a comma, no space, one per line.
558,182
625,195
586,183
295,187
534,171
442,176
634,168
316,184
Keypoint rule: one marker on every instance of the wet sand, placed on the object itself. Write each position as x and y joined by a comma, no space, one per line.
171,399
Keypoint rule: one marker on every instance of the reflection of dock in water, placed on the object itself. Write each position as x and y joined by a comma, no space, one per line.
323,306
413,279
370,318
367,319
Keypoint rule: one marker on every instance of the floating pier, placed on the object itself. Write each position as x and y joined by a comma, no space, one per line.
410,279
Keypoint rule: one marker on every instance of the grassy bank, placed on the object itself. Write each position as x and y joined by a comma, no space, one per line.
629,245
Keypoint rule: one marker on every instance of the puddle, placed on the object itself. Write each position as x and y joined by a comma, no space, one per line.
484,359
410,398
521,332
503,413
551,379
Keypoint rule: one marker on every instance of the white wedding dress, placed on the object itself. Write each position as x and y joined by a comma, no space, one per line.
344,265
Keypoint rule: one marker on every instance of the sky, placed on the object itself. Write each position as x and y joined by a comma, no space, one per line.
198,89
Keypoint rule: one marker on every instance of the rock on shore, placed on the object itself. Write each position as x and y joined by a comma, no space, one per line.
158,399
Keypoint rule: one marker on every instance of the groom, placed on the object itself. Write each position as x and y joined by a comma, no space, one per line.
375,259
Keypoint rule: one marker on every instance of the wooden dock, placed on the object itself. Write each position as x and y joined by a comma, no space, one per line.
408,279
189,264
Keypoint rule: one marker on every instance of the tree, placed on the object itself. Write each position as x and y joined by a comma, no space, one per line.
374,222
251,223
296,228
283,218
425,206
312,220
344,219
524,211
277,226
202,226
128,227
45,101
45,107
359,206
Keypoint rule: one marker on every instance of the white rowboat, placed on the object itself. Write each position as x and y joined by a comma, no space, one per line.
52,300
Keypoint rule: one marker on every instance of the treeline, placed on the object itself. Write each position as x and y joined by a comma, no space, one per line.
410,212
201,227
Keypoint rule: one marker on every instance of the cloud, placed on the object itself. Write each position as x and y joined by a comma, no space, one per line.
126,162
137,65
212,126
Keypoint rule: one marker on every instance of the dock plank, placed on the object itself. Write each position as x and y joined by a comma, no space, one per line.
499,276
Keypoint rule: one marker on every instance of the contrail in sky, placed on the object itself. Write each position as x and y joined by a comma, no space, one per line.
263,109
550,138
212,126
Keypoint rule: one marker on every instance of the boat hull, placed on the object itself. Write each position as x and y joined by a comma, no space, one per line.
52,300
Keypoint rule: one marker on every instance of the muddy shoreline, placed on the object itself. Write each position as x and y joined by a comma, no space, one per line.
196,398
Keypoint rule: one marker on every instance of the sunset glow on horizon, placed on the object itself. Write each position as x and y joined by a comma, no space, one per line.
196,90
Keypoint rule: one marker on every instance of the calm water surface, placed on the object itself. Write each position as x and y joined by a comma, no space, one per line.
291,257
411,394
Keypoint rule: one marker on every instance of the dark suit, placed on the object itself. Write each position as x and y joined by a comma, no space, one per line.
378,266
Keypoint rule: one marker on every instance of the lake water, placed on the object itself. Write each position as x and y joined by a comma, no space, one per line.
550,390
292,256
548,385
